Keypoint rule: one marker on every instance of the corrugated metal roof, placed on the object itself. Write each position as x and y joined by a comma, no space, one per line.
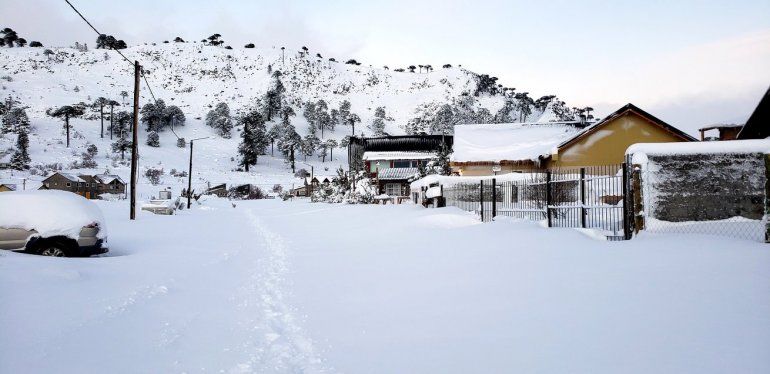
397,173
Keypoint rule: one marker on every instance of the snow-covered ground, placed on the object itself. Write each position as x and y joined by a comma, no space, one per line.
271,286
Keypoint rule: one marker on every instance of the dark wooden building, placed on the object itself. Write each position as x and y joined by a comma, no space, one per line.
393,160
758,125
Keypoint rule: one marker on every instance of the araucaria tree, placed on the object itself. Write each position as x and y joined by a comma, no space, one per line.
254,138
122,144
100,103
157,116
378,124
66,112
219,118
273,100
20,158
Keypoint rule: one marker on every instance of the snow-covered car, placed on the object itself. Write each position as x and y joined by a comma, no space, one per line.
51,223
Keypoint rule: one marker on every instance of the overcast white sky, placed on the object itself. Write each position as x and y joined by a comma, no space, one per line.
689,62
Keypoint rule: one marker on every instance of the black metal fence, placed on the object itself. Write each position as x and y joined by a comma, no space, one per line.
591,197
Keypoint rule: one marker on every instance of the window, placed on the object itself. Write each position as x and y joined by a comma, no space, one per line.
69,184
393,189
401,164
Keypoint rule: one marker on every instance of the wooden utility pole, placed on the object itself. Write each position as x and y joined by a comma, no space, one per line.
101,118
134,146
111,107
189,175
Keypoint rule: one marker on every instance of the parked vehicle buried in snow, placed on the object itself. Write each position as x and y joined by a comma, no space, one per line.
51,223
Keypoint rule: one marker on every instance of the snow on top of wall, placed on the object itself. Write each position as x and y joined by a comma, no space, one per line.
50,213
452,180
640,151
509,141
397,155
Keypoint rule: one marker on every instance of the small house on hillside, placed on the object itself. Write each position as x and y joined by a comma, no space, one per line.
88,186
495,149
393,160
5,187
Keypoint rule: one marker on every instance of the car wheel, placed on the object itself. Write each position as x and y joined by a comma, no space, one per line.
51,250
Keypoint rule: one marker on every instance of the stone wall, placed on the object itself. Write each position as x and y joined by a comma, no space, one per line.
704,187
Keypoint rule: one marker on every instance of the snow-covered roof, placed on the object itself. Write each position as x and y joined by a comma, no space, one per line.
508,141
397,173
321,178
70,177
640,150
50,213
108,178
10,186
397,155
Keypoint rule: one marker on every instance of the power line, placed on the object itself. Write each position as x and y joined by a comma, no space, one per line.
146,82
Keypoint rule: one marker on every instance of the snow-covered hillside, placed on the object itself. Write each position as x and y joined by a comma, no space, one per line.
195,77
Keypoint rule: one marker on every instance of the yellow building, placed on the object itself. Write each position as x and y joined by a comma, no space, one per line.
7,187
504,148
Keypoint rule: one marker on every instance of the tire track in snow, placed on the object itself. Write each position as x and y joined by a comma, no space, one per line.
281,345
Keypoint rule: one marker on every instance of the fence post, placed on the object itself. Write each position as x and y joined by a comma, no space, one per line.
626,204
548,196
481,200
494,198
636,187
583,197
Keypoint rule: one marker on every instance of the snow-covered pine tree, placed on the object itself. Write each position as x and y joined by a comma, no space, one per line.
344,112
378,124
309,112
309,145
444,121
273,135
330,145
173,116
20,159
219,118
254,138
322,116
152,115
121,123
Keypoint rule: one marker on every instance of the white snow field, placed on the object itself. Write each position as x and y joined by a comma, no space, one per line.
274,287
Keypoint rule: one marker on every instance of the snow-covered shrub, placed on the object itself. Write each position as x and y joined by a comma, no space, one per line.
246,192
153,140
302,173
181,143
153,175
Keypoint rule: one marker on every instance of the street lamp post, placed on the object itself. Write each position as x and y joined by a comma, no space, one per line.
189,174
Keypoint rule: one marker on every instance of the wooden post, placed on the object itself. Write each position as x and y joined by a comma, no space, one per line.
583,197
548,197
134,145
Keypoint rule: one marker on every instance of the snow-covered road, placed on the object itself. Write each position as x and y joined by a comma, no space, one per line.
269,286
201,292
